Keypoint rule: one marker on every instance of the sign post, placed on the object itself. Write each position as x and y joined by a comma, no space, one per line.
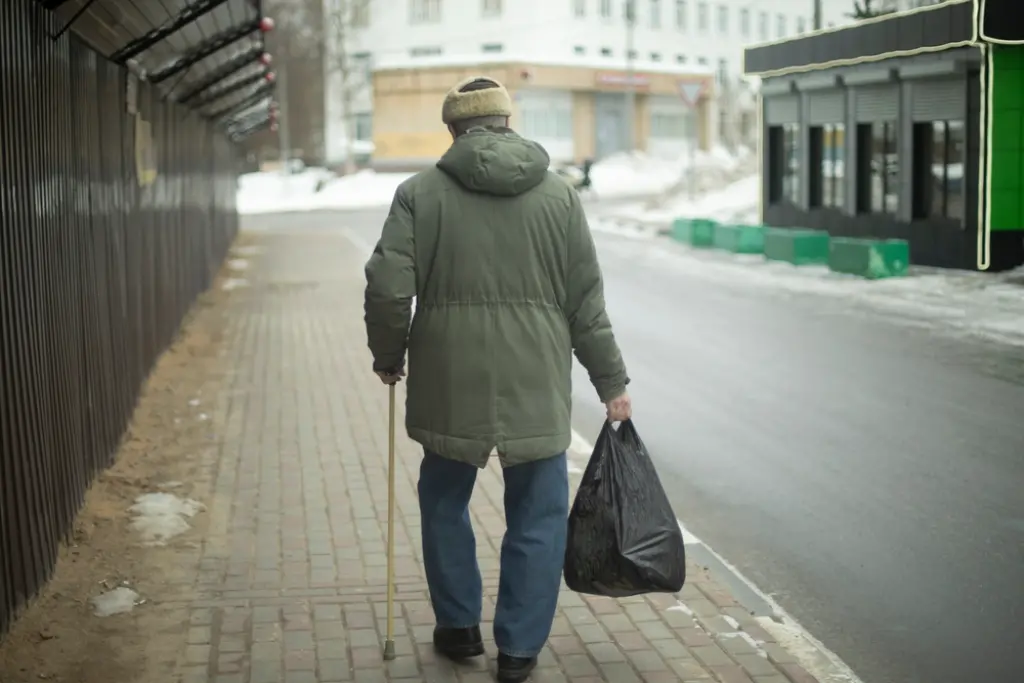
691,92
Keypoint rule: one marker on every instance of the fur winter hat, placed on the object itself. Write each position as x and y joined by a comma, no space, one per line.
462,104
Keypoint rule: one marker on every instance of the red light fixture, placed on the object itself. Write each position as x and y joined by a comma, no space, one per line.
266,59
266,24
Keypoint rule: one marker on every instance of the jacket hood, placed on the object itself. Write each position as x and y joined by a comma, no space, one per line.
495,161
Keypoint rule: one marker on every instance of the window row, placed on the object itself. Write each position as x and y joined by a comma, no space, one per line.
937,167
545,122
540,120
687,14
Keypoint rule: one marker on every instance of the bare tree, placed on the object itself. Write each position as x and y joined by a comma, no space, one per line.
866,9
343,20
294,37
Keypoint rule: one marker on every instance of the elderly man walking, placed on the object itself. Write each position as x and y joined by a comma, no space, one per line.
497,252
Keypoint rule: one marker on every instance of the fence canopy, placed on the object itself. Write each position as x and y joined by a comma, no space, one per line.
208,55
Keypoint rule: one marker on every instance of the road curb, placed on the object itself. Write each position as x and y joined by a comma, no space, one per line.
806,651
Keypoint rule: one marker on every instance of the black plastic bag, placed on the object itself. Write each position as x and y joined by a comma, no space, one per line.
623,535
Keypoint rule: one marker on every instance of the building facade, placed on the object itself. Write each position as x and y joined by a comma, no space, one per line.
575,111
681,37
906,126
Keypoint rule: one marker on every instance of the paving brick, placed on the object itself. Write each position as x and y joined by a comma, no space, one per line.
290,586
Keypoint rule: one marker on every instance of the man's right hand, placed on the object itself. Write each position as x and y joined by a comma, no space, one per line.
619,409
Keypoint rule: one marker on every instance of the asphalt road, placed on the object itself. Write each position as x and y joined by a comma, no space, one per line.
867,475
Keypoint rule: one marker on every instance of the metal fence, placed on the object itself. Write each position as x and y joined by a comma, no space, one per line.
97,271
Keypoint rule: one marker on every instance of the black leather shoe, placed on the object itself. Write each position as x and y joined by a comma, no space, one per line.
458,643
514,669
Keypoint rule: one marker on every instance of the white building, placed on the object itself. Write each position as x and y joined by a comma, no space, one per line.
669,36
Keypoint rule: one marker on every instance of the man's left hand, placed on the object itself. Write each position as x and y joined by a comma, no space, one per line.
390,377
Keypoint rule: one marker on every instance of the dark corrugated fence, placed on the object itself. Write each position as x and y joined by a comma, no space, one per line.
96,272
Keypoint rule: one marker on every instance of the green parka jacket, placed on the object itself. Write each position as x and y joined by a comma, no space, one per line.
498,254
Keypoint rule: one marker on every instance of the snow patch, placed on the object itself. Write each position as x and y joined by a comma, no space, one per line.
681,607
121,600
159,517
750,640
233,283
638,174
315,189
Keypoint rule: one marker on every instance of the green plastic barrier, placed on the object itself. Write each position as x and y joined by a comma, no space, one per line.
681,230
872,259
740,239
697,232
702,232
797,246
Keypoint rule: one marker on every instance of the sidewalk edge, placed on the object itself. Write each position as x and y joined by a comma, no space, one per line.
809,652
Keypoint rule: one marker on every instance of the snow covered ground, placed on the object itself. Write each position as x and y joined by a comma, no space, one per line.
639,175
275,192
621,175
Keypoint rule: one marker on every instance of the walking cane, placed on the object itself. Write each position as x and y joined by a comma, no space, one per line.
389,642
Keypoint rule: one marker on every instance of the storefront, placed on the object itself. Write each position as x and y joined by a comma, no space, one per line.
575,112
906,126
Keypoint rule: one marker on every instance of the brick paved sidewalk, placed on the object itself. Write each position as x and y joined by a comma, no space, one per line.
292,576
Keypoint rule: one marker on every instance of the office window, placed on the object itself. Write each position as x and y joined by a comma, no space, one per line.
762,26
745,22
702,61
606,9
655,9
877,168
722,74
668,126
682,10
429,51
579,50
680,59
801,25
655,56
361,15
780,26
723,19
938,165
492,47
632,54
362,64
827,156
703,20
606,52
783,163
364,126
579,8
540,120
424,11
491,8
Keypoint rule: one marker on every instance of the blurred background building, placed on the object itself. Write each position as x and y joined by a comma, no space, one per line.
361,81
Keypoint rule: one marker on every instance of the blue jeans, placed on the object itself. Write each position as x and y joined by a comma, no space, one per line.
532,552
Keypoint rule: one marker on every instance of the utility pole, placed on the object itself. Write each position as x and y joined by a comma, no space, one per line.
817,15
283,125
630,8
